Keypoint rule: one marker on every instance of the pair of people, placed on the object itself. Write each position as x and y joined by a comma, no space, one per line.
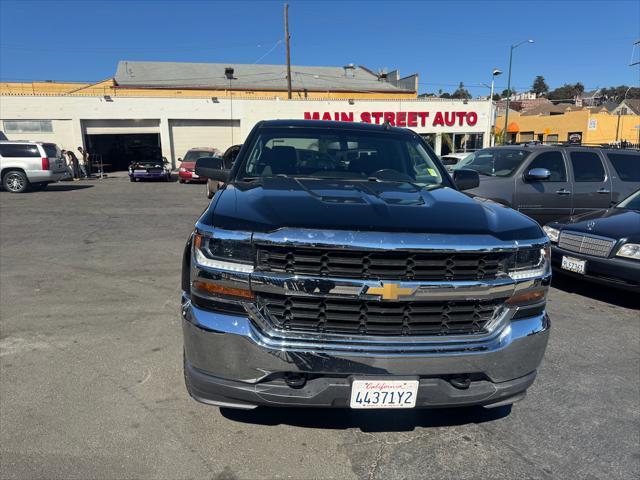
79,168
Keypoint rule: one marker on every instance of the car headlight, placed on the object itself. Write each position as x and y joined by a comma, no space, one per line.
629,250
529,263
552,233
223,254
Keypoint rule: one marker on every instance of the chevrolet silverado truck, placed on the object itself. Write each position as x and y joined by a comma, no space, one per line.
341,266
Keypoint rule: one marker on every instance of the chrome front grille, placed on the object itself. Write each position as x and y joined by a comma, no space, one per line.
394,265
587,244
387,318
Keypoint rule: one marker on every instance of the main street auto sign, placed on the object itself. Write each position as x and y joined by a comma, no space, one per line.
400,119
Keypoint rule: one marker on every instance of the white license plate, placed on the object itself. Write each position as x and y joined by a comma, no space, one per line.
140,171
384,393
574,265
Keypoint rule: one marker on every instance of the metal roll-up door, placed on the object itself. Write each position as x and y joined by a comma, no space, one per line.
187,134
110,127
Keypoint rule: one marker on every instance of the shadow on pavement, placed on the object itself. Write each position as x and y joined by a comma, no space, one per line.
376,421
602,293
64,187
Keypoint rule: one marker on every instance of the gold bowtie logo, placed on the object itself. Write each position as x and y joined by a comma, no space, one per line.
390,291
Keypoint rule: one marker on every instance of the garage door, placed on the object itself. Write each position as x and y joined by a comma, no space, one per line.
186,134
108,127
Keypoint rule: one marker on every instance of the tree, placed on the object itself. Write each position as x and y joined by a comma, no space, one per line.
496,97
617,94
505,93
445,95
461,92
539,86
566,92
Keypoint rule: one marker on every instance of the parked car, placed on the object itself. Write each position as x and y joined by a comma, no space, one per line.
186,172
227,159
342,267
150,170
551,182
452,159
601,246
25,164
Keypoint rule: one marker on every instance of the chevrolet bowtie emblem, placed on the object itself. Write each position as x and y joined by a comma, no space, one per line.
389,291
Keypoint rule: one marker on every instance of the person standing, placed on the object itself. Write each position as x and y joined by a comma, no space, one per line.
82,166
86,160
73,161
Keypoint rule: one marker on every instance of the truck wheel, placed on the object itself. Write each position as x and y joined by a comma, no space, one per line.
15,181
131,179
181,181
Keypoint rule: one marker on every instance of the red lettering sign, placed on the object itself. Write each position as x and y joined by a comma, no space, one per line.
400,119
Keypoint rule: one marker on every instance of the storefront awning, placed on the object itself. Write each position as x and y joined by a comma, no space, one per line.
513,128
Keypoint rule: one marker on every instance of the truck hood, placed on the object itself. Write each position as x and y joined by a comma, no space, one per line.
273,203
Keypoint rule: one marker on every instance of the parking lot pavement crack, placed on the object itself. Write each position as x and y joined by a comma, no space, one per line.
376,462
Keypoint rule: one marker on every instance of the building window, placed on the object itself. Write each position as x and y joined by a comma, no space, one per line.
28,126
467,142
552,138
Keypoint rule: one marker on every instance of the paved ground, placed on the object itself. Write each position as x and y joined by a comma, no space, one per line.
91,375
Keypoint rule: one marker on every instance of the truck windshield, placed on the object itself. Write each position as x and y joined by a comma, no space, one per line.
340,154
632,202
494,162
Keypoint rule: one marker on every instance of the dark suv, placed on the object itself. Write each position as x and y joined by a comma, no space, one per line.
340,266
550,182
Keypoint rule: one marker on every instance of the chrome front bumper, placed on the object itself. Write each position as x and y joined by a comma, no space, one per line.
230,362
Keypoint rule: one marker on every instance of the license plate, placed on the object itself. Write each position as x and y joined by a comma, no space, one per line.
140,171
384,393
574,265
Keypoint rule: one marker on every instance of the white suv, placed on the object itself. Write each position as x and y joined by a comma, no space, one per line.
25,164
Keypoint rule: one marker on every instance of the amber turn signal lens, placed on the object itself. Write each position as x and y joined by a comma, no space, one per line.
215,289
528,297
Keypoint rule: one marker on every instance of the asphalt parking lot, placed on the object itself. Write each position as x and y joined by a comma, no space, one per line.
91,369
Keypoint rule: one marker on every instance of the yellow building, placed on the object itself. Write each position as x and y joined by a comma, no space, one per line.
197,80
565,123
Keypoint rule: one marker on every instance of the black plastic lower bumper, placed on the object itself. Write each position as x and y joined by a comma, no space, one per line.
615,272
326,391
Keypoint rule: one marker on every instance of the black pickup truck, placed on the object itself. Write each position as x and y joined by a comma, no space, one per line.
341,266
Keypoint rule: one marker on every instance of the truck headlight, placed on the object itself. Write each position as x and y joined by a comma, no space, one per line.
552,233
529,263
234,256
629,250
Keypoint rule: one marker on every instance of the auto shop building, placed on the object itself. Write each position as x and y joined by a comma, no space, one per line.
210,105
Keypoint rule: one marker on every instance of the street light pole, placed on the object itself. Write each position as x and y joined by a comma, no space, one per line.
506,113
492,121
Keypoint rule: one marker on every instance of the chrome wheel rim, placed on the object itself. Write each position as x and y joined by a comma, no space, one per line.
15,182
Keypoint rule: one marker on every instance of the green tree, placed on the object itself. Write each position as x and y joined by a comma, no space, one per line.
505,93
461,92
445,95
617,94
566,92
496,97
539,86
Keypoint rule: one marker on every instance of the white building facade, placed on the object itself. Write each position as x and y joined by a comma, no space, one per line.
178,124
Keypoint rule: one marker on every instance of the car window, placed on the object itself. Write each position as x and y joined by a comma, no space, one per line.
10,150
341,154
494,162
627,166
587,167
193,155
51,149
552,161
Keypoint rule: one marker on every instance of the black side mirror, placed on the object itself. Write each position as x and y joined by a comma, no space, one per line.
537,174
213,168
466,179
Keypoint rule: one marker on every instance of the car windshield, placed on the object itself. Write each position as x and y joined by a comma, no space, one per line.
632,202
193,155
340,154
494,162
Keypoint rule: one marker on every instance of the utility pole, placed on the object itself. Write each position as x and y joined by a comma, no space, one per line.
506,113
287,37
632,51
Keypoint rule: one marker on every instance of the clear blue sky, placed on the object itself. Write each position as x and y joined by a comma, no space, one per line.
445,42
